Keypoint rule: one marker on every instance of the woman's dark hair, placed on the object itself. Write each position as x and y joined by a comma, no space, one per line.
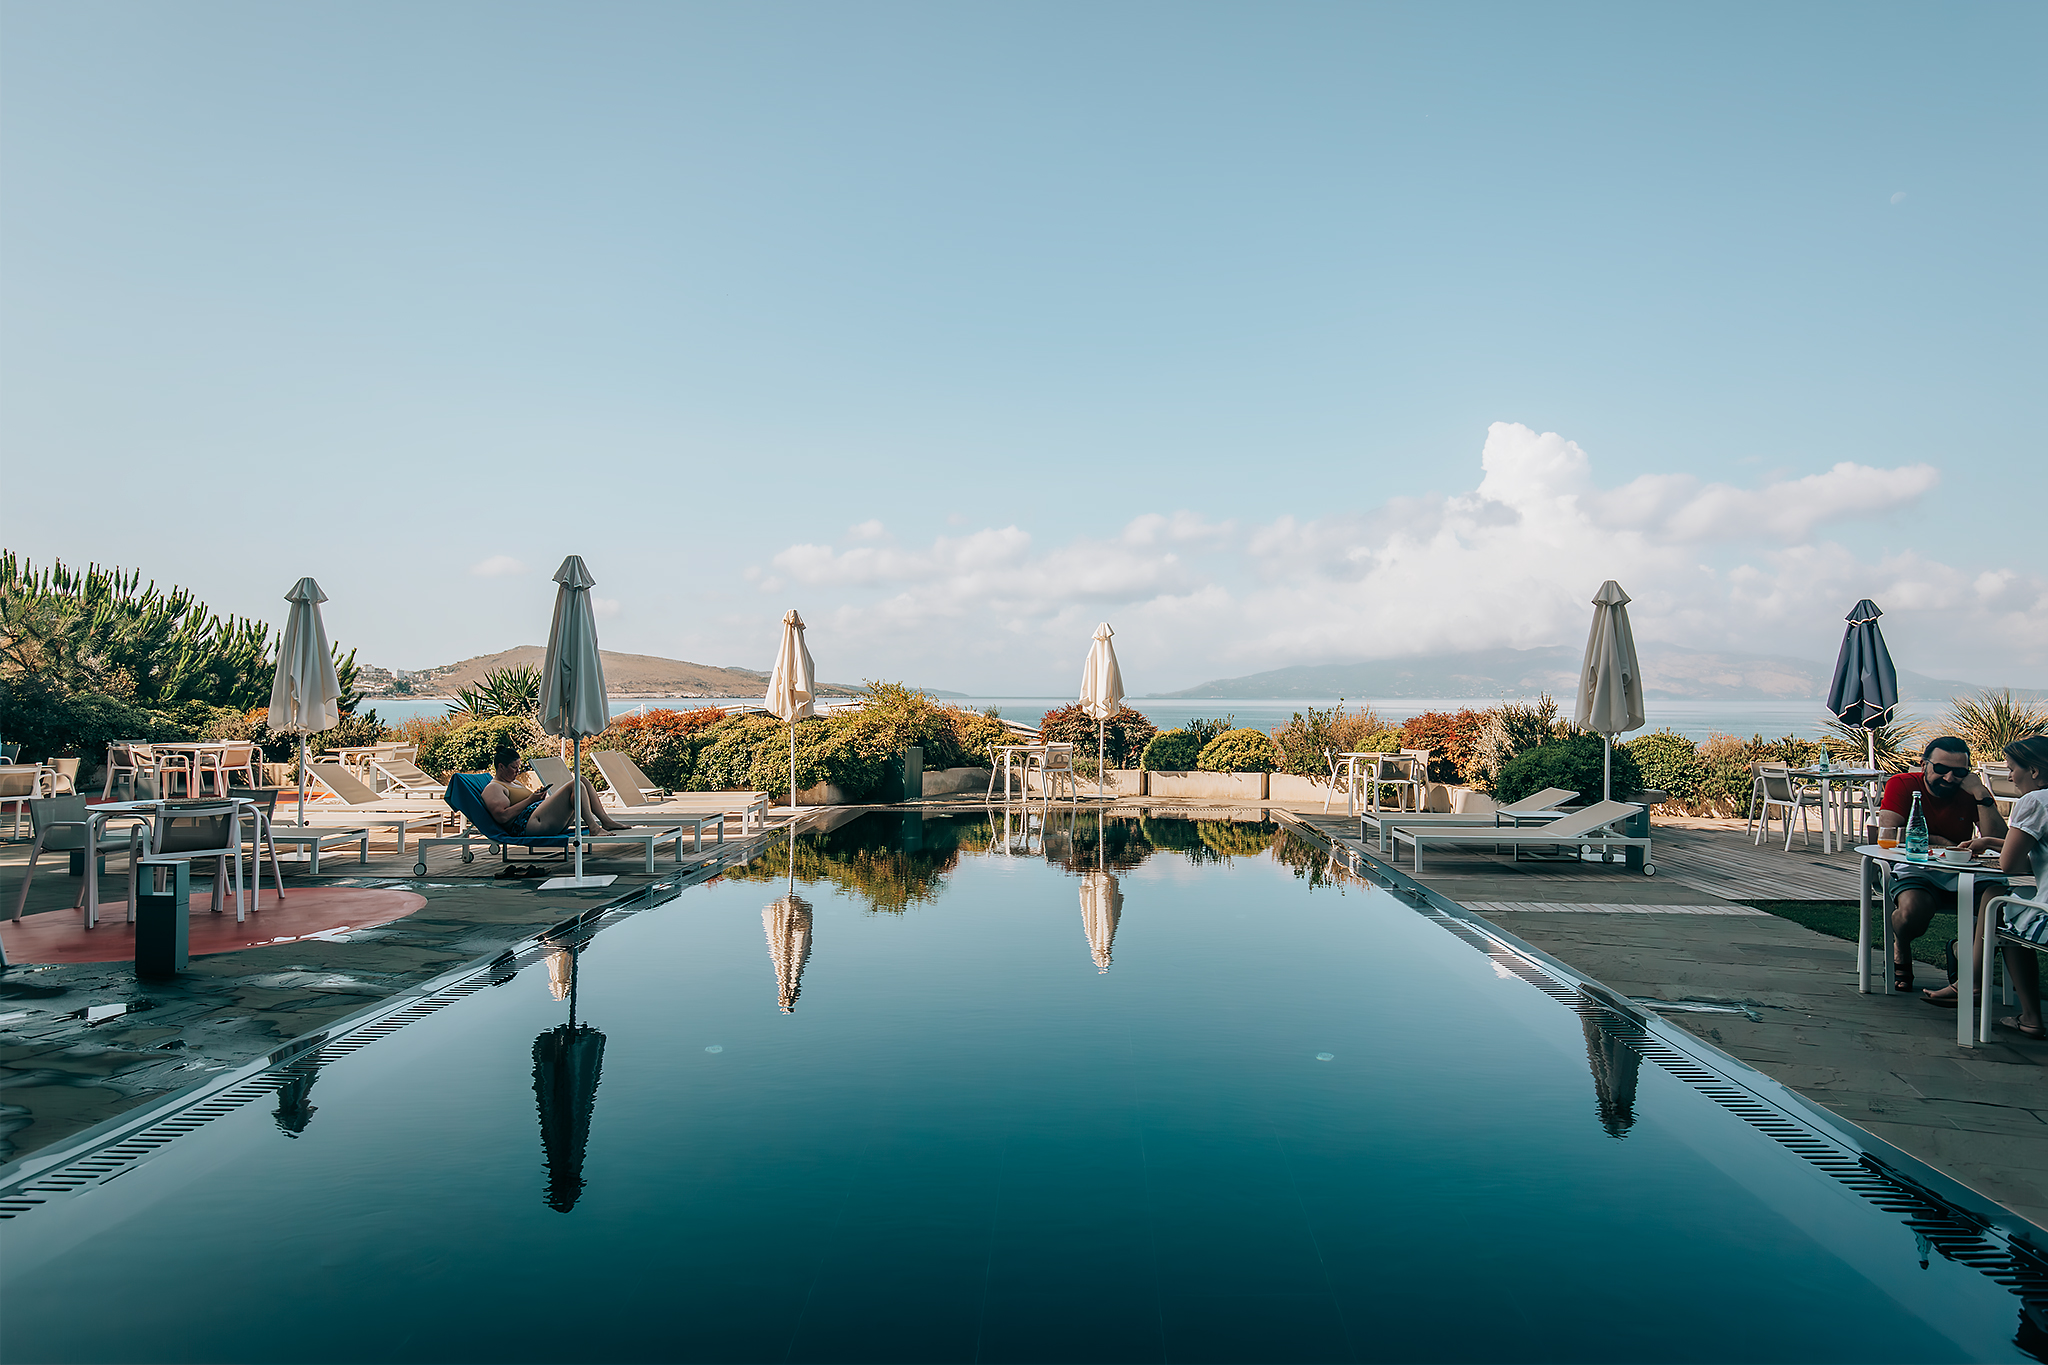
1948,744
505,754
2030,753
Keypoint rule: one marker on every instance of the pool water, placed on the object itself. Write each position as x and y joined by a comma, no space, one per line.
1152,1090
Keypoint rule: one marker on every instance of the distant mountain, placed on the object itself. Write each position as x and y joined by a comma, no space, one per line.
632,675
1670,672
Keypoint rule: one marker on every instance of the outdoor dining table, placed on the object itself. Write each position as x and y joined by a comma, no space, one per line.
1881,860
1349,765
1834,837
1006,753
96,818
191,750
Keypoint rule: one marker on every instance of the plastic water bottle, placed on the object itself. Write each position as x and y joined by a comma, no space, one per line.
1915,841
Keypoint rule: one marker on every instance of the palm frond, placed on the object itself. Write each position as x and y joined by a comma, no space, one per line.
1989,721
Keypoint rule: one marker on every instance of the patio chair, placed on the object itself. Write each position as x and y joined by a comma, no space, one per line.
59,824
220,763
193,831
1539,808
63,775
621,774
9,752
20,785
554,771
123,768
1055,763
1590,827
465,796
1998,780
1782,792
404,779
262,805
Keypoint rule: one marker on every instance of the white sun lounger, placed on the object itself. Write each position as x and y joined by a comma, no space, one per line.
407,781
1536,809
1590,826
635,799
356,804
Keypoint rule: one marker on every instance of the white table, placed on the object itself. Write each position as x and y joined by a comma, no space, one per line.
1967,876
96,817
1832,838
1006,753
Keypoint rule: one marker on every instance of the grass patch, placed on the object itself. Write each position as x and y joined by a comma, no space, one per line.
1837,919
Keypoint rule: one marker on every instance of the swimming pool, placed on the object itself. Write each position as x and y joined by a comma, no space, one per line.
1183,1091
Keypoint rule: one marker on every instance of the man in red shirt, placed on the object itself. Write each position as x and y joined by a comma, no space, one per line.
1959,810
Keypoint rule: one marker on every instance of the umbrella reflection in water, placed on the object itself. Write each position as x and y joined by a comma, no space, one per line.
788,925
1102,904
1615,1065
566,1062
294,1098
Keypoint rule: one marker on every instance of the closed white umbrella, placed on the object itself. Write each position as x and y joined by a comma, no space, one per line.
1102,693
1611,680
792,687
306,696
572,692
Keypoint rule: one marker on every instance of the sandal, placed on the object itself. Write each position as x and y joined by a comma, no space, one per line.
2012,1021
1902,975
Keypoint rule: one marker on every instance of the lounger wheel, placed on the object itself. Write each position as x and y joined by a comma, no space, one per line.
1649,869
467,856
419,869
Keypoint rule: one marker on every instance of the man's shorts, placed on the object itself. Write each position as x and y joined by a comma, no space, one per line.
1942,885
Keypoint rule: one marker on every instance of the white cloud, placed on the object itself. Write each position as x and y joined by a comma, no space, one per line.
497,566
1512,562
603,608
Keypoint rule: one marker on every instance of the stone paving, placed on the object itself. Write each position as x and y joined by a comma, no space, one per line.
1889,1064
62,1071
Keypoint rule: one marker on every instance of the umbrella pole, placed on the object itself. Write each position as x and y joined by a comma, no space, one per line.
1607,767
302,780
576,776
1870,747
792,771
1101,754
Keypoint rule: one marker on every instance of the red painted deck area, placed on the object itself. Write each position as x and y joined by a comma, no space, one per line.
57,935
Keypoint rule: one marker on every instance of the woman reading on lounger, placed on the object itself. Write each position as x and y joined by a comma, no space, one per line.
550,810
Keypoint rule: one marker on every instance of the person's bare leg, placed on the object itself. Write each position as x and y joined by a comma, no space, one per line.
1912,911
557,811
1944,994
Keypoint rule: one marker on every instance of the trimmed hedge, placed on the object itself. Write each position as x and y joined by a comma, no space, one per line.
1239,751
1573,764
1170,751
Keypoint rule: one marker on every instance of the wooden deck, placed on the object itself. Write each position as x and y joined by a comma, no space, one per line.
1698,862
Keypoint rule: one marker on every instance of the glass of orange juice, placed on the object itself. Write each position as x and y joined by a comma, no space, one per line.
1888,839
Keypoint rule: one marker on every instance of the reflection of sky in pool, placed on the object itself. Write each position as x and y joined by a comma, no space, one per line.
1177,1097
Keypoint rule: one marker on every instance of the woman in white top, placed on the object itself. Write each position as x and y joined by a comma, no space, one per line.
2023,853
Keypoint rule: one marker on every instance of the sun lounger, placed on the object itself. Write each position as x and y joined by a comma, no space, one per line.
465,795
1538,809
355,804
1591,826
553,771
635,798
407,781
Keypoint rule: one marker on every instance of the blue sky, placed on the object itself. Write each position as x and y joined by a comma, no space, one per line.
1272,334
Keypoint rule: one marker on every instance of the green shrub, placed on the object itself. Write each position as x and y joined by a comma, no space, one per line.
725,763
1669,762
1573,764
1239,751
663,743
467,746
1507,730
1170,751
1124,734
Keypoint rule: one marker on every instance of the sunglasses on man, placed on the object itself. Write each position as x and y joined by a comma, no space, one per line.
1943,770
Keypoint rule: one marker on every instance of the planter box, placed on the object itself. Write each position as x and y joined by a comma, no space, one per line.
1210,786
824,794
1299,790
952,781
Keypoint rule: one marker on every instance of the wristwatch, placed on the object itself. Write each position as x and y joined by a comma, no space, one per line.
1986,801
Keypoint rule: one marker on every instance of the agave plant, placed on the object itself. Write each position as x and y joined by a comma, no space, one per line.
503,692
1897,743
1989,721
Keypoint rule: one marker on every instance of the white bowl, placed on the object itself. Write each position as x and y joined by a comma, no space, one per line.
1957,856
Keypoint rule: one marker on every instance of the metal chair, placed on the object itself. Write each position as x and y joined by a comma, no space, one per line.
199,830
1053,761
60,823
1782,792
20,785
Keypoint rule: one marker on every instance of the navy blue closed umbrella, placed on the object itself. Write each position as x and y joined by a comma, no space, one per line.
1865,691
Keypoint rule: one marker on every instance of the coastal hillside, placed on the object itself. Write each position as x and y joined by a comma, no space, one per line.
644,675
1670,672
